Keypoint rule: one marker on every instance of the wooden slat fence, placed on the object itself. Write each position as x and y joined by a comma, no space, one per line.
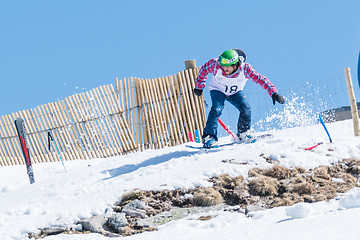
86,125
104,122
162,111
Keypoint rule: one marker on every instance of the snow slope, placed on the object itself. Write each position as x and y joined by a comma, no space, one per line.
90,187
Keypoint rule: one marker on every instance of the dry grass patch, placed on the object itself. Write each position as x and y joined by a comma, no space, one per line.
280,172
264,186
226,181
207,197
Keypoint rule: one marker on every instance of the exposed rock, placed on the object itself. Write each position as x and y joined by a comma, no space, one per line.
94,224
136,204
53,230
135,208
254,208
97,224
176,214
166,217
117,221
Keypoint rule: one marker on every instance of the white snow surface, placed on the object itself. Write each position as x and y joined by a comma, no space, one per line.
89,187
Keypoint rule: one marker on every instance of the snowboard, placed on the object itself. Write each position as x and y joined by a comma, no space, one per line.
256,138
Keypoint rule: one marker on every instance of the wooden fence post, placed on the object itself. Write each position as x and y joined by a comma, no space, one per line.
198,102
190,64
353,105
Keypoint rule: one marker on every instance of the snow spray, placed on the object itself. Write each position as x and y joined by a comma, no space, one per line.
296,112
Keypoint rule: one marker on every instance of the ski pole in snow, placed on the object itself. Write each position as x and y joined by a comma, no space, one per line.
323,123
310,148
51,139
222,124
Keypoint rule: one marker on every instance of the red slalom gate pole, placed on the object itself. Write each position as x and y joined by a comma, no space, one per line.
310,148
227,129
222,124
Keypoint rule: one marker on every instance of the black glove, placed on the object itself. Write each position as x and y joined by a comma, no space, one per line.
277,98
198,92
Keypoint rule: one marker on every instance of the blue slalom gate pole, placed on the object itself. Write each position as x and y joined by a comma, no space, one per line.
197,136
323,124
358,70
51,139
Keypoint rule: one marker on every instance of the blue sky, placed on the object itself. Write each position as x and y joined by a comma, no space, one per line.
50,50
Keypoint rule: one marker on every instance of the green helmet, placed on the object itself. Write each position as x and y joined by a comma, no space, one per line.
228,58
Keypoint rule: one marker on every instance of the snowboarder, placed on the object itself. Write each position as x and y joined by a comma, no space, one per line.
230,73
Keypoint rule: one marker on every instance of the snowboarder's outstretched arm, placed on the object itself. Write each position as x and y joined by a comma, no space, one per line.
264,82
257,78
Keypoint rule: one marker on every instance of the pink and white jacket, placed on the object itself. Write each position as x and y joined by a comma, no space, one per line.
231,84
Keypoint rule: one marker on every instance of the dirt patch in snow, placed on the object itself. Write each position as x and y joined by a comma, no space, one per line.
264,188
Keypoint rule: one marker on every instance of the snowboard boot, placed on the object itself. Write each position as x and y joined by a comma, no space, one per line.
246,137
210,142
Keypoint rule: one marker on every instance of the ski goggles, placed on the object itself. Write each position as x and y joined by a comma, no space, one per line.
228,62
